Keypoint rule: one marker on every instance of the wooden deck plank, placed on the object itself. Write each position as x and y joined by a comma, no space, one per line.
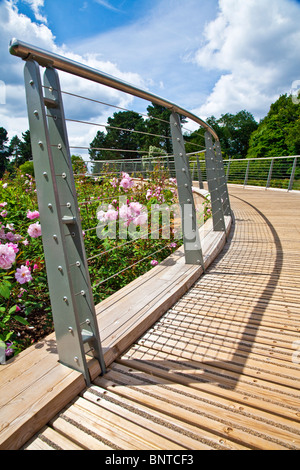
34,385
220,368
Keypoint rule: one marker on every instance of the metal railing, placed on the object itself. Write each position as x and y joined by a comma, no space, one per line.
67,263
272,172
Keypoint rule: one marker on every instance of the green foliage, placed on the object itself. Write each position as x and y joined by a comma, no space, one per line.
4,153
27,168
23,305
234,131
129,131
278,134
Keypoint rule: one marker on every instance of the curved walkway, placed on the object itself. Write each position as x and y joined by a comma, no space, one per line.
220,370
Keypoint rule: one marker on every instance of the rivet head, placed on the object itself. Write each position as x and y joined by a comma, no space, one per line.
77,264
65,299
76,359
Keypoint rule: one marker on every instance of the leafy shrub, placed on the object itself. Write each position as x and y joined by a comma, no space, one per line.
25,310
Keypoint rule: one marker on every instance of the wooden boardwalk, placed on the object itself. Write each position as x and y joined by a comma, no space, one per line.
220,369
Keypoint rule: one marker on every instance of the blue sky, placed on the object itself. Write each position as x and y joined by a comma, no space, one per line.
86,18
208,56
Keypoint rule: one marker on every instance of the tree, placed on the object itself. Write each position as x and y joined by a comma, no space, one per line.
234,132
20,150
278,134
14,148
98,143
195,141
125,131
4,153
25,148
158,124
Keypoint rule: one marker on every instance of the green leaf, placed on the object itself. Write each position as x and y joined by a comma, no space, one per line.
21,320
4,291
12,309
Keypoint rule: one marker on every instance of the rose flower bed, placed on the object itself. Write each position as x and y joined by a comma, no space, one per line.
117,233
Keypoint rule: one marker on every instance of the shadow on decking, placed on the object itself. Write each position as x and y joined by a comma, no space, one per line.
203,365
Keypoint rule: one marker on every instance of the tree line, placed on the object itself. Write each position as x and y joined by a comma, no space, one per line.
241,136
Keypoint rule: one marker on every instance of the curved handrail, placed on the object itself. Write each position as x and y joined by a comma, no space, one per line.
55,183
45,58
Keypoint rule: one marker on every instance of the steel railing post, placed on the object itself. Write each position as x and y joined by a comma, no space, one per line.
200,179
190,232
247,173
270,174
292,175
214,185
222,180
228,169
68,280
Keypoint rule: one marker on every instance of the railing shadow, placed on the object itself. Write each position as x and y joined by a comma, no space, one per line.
205,366
247,341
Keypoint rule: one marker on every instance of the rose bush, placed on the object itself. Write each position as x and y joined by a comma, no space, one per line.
25,311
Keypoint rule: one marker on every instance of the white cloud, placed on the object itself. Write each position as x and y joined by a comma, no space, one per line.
106,4
156,46
13,113
255,45
36,5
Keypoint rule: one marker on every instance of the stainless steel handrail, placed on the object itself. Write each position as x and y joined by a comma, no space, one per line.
45,58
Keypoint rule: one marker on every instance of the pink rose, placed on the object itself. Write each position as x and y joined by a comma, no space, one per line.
7,256
33,215
23,274
35,230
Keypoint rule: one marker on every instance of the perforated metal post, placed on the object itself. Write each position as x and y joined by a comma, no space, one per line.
68,278
223,189
190,232
292,175
228,170
270,174
214,185
247,174
200,179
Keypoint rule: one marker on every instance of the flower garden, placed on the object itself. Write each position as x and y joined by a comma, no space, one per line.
118,241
